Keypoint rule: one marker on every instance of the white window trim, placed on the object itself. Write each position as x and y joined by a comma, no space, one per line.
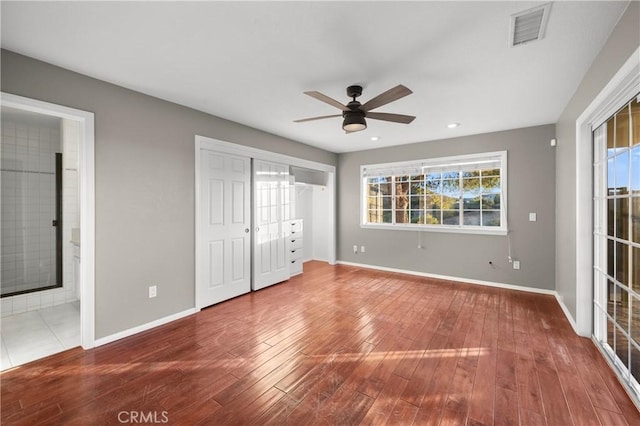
457,159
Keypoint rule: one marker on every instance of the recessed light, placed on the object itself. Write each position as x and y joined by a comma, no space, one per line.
453,125
375,138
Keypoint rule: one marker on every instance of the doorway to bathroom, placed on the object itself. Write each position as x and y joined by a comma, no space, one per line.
46,244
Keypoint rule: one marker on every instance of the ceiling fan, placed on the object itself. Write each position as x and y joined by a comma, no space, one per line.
354,112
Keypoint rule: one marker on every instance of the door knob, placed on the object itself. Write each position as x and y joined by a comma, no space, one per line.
246,230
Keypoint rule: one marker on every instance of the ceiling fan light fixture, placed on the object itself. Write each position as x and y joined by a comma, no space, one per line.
354,123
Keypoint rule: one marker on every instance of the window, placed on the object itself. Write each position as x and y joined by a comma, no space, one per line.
452,194
616,233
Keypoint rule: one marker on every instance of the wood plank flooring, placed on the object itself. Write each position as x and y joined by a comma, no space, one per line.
337,345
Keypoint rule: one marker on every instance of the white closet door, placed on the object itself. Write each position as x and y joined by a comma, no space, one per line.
224,250
272,199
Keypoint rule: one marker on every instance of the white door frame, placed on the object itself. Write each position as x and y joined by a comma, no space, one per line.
203,142
87,202
624,84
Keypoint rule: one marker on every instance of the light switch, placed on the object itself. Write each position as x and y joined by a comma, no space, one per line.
533,217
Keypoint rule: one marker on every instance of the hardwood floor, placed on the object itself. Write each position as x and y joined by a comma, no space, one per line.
337,345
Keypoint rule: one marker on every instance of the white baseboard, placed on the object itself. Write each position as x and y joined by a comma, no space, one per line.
564,308
568,315
143,327
449,278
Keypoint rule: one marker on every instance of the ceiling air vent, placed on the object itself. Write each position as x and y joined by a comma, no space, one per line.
529,25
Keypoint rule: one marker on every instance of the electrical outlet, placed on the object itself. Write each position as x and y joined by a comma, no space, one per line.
533,217
361,249
516,264
355,249
153,291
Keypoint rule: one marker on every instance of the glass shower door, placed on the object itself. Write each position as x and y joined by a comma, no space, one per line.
30,213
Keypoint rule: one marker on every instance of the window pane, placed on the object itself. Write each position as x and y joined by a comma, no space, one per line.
471,173
451,187
417,188
635,279
432,217
610,139
491,218
611,184
612,298
610,334
622,347
451,217
635,221
491,202
611,216
634,184
402,201
417,216
433,202
402,216
379,216
622,310
471,186
379,203
451,175
385,188
417,203
450,203
374,202
622,218
374,216
622,128
492,172
472,203
622,173
471,218
373,189
417,177
611,262
622,263
433,186
491,185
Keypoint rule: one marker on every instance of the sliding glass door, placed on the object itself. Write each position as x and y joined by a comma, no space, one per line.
617,241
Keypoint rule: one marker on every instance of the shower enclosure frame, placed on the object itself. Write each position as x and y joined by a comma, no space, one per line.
87,201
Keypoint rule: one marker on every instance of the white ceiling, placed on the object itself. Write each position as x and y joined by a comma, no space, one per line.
250,62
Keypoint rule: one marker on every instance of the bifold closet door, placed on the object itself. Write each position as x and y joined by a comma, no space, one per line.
272,210
224,252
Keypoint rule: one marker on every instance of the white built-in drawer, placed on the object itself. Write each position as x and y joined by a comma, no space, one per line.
296,267
295,226
295,243
296,254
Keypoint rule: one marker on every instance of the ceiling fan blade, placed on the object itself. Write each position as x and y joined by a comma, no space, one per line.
316,118
396,118
324,98
390,95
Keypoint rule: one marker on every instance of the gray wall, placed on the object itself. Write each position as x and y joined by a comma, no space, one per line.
531,187
622,42
144,186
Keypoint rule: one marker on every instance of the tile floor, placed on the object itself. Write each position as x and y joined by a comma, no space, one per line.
36,334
